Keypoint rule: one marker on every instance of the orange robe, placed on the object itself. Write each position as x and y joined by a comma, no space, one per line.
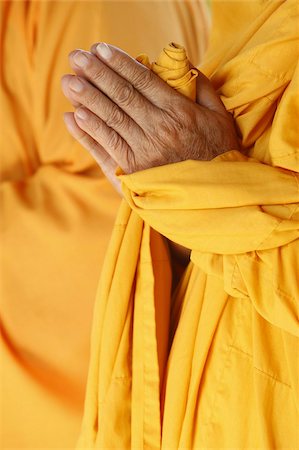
57,208
215,365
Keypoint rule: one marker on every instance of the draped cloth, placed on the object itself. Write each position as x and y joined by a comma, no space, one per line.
57,208
215,365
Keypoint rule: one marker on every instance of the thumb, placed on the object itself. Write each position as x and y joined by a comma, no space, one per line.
206,95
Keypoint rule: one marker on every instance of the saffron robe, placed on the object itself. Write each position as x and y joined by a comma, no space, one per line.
215,365
57,208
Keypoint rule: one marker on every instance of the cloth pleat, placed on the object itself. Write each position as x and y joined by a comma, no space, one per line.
219,368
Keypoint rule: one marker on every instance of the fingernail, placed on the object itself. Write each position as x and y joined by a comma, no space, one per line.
104,50
76,85
81,113
80,59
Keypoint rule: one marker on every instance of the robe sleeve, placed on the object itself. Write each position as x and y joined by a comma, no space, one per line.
239,217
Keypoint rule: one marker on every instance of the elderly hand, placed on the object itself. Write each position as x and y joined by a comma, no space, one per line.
127,116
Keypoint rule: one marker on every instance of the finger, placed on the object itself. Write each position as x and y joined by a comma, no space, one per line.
141,77
113,85
95,149
81,92
107,164
107,137
206,95
65,89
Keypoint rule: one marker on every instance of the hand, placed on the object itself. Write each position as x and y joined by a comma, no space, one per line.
131,118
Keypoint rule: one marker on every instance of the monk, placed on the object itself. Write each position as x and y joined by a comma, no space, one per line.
182,131
220,370
57,207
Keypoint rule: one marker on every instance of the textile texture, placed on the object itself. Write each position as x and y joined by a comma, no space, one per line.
215,365
57,208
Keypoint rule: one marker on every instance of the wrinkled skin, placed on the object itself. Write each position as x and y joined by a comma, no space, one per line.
135,120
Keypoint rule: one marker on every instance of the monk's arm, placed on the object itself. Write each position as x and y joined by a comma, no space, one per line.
127,116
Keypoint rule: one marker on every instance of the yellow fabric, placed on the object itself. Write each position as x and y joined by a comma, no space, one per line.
172,66
216,364
57,209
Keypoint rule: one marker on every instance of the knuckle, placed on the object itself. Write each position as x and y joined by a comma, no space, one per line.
144,79
97,73
120,63
124,94
92,100
116,118
114,141
96,127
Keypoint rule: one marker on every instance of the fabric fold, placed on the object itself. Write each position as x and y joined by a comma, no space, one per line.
228,207
233,319
173,67
57,207
140,390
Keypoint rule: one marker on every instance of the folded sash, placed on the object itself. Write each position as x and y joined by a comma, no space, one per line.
239,216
